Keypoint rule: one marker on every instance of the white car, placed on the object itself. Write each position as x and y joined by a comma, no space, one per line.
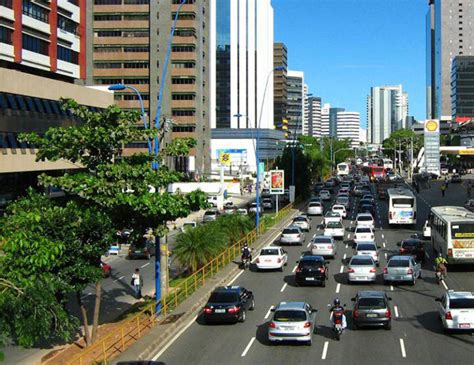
364,234
341,209
272,258
365,219
292,235
334,229
456,309
188,225
325,195
242,211
229,209
302,222
361,268
369,248
332,217
267,203
315,208
427,230
253,208
444,171
323,246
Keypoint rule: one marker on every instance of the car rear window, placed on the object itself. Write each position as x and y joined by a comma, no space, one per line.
366,246
289,316
363,230
361,261
315,204
398,263
322,240
223,297
290,231
334,225
461,303
364,218
310,264
268,252
411,244
210,213
299,219
371,303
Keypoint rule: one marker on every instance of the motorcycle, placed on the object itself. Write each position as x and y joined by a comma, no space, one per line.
337,317
245,264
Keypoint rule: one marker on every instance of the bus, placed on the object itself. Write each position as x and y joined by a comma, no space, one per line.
452,233
343,168
375,172
387,164
401,206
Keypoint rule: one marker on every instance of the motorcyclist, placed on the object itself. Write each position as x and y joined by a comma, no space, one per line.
246,253
441,263
338,307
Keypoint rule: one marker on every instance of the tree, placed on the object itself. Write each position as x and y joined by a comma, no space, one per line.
302,165
401,140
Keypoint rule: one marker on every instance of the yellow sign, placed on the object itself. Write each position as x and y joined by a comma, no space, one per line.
466,152
224,159
431,125
464,235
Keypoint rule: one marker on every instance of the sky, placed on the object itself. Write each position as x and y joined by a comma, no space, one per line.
346,46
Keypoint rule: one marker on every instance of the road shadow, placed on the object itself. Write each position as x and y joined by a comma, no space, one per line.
325,332
201,322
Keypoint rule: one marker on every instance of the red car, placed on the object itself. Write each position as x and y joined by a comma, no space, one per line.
106,269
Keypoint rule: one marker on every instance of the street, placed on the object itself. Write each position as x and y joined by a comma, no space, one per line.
416,337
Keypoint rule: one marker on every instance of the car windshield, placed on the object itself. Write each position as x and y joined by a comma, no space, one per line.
334,225
310,264
461,303
315,205
223,297
299,219
398,263
366,247
371,303
462,230
361,261
289,316
342,199
332,214
403,202
210,213
290,231
269,252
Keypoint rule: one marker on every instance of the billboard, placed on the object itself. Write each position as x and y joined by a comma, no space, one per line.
231,156
277,181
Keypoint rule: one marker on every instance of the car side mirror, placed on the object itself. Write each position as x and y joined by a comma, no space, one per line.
389,298
272,310
327,262
344,305
297,262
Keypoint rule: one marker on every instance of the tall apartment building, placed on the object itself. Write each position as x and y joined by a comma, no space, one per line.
306,110
295,108
348,127
130,42
314,116
462,106
387,109
449,29
325,120
280,87
333,125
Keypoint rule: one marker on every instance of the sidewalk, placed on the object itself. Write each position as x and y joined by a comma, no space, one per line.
187,311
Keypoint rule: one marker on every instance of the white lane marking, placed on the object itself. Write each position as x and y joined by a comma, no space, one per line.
309,244
444,284
395,308
342,269
174,339
141,267
338,287
344,257
383,237
348,235
391,287
402,346
351,223
383,243
248,347
283,287
427,255
294,269
385,255
120,278
268,313
347,245
325,350
235,277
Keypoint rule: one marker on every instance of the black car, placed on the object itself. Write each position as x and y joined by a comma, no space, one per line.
413,247
141,250
367,208
456,179
372,308
311,270
366,202
228,304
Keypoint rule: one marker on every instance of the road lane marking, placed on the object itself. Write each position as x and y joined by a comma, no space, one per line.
385,255
283,287
141,267
338,287
344,257
402,346
294,269
174,339
347,245
348,235
342,269
427,255
444,284
383,244
120,278
85,296
248,347
383,237
325,350
395,308
391,287
351,223
268,313
235,277
309,244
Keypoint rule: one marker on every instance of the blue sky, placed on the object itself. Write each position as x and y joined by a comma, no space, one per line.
346,46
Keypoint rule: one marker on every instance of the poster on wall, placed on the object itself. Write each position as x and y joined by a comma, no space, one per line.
277,181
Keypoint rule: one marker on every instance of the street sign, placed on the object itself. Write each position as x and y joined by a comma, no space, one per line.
277,181
261,167
466,152
224,159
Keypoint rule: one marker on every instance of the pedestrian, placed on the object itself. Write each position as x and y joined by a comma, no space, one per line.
137,283
443,189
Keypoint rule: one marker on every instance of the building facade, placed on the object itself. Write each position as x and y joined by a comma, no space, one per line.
280,87
333,124
462,88
348,127
325,120
295,107
306,110
314,116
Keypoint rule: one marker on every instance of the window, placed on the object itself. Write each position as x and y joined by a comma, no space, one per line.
108,65
185,32
183,80
108,2
135,33
183,112
104,17
136,2
6,35
183,64
136,49
137,64
6,3
35,11
108,33
183,48
68,55
67,24
177,2
183,96
107,81
137,81
107,49
136,17
184,16
74,2
135,96
35,44
182,128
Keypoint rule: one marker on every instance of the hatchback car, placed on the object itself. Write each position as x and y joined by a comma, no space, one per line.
332,217
361,268
456,179
325,195
341,209
413,247
315,208
366,202
334,229
292,321
229,209
368,248
368,197
343,200
188,225
323,246
302,222
427,230
272,258
228,304
139,250
456,310
372,308
242,211
365,219
343,191
311,270
210,215
401,268
364,234
292,235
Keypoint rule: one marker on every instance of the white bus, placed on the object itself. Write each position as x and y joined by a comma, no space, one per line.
387,164
401,206
452,233
343,168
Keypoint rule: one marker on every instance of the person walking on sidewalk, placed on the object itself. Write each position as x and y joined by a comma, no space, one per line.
137,283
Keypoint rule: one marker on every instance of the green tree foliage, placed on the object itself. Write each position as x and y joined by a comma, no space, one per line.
401,140
302,172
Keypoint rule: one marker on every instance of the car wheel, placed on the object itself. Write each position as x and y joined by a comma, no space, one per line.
355,326
281,268
252,305
413,281
243,316
388,326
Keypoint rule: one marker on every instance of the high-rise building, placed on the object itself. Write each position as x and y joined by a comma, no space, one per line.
449,29
348,127
325,120
333,121
462,86
387,108
314,116
129,46
241,64
295,106
280,59
305,110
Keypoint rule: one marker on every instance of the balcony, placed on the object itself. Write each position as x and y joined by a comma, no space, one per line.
121,24
121,40
135,72
183,71
183,87
187,8
121,8
119,56
186,23
184,40
185,120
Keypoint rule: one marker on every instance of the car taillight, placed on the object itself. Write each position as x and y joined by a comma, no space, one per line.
448,316
279,260
298,269
410,271
402,250
385,270
208,310
388,313
258,260
349,269
329,247
355,313
373,270
272,325
450,252
322,270
233,309
307,325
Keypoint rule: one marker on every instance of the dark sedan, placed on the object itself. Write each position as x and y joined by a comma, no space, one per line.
367,208
228,304
372,308
413,247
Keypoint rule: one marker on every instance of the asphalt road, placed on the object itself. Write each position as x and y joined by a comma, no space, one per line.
416,336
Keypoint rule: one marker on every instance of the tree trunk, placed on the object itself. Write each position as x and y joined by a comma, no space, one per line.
98,297
85,323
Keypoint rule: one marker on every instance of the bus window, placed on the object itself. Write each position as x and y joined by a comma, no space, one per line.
402,202
462,230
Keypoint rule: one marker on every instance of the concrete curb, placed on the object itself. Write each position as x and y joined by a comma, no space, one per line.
135,353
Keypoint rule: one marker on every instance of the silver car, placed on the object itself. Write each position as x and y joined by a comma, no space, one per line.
401,268
343,200
323,246
369,248
361,268
302,222
210,215
292,235
332,217
315,208
292,321
267,203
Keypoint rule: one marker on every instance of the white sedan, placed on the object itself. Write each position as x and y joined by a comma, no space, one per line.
315,208
364,234
334,229
332,217
272,258
341,209
303,222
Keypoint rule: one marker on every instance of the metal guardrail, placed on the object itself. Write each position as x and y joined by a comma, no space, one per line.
131,330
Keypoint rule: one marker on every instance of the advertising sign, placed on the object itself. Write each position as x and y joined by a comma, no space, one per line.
224,159
231,156
432,154
277,182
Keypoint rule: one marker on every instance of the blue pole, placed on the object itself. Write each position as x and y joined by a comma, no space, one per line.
142,107
257,193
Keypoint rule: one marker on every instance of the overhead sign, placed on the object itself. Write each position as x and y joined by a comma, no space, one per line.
277,182
231,156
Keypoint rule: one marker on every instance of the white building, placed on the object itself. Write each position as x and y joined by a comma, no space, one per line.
325,120
295,108
348,126
306,110
362,135
314,116
241,63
